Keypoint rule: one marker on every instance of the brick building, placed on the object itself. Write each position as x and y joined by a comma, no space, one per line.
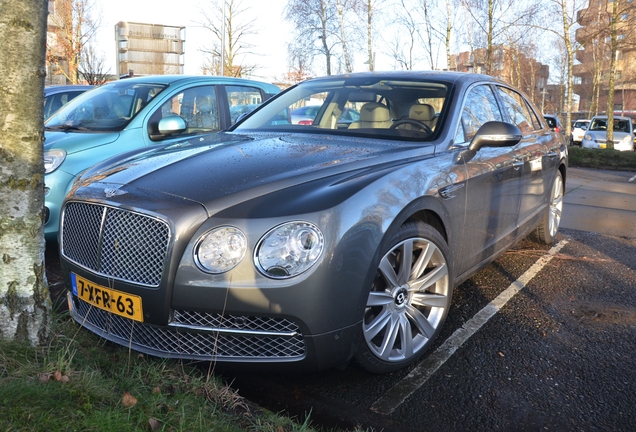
591,75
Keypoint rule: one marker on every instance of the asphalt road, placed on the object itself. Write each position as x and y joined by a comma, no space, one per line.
542,339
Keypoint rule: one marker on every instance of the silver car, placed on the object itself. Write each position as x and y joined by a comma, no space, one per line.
596,135
306,246
578,131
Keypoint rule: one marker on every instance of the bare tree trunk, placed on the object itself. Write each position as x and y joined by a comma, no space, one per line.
343,37
570,61
447,39
490,37
612,77
25,306
369,34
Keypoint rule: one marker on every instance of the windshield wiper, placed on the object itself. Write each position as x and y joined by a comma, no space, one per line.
66,128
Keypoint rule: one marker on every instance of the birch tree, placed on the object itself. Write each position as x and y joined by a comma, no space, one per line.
315,28
233,35
25,306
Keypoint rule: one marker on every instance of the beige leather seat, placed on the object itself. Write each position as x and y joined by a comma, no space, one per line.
424,113
206,116
373,115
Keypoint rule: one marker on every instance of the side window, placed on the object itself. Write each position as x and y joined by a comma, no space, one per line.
517,110
242,100
480,107
198,106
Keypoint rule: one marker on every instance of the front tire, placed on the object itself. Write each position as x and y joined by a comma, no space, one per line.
408,301
548,227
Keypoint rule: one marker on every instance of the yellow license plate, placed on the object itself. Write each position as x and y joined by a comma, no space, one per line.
602,145
108,299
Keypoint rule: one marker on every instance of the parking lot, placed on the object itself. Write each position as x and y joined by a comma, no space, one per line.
542,339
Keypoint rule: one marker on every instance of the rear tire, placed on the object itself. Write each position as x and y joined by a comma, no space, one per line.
408,301
548,227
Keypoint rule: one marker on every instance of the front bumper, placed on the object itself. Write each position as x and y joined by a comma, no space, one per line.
225,339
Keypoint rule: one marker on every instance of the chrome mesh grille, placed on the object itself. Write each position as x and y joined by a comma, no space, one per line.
232,322
115,243
181,343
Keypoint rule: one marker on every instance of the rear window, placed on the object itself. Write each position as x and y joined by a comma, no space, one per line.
551,122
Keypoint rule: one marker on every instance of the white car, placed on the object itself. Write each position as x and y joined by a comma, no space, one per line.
596,135
578,131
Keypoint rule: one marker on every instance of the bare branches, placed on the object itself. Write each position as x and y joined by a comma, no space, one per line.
72,26
230,39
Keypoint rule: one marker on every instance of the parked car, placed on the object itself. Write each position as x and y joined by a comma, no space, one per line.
136,112
295,246
56,96
578,131
596,135
554,123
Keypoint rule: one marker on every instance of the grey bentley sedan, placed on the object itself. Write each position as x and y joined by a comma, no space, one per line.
305,246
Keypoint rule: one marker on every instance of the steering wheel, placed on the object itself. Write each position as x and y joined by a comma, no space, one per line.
418,124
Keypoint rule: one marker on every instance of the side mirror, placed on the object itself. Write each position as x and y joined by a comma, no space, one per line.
495,134
172,124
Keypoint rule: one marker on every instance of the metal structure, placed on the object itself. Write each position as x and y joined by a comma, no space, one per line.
149,49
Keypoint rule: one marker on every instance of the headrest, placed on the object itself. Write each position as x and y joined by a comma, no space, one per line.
422,112
205,104
374,112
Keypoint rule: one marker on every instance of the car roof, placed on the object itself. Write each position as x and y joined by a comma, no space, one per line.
62,88
604,117
170,79
449,76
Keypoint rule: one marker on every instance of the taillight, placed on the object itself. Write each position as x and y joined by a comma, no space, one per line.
305,122
557,130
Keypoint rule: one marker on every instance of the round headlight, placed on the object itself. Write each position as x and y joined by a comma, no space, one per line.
289,249
588,137
220,249
53,159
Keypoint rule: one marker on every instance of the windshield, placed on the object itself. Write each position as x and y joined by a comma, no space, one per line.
600,124
399,109
107,108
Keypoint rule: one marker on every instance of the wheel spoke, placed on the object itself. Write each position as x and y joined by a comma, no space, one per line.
379,298
422,261
429,299
429,279
421,322
372,329
390,336
406,262
387,271
406,339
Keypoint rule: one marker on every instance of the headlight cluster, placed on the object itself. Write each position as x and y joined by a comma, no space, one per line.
285,251
220,249
53,159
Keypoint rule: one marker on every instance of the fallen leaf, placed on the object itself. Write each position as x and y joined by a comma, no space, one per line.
155,425
57,375
128,400
44,377
156,390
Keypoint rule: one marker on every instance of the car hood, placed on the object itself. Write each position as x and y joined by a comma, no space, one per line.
73,142
602,135
240,167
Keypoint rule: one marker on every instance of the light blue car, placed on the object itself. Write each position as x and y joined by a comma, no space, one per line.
135,112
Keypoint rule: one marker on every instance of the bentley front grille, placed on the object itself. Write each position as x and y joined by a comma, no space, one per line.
115,243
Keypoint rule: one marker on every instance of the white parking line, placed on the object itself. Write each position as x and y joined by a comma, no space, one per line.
632,179
393,398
